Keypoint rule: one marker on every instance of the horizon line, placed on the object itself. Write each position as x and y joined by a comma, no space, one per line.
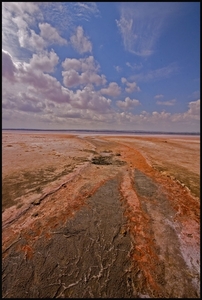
108,130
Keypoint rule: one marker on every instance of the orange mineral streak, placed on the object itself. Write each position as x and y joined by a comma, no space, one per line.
28,251
133,157
187,216
128,192
144,252
179,197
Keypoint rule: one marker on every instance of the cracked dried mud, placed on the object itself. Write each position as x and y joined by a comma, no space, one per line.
100,216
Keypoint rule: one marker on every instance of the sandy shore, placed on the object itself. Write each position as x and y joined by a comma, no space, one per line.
100,216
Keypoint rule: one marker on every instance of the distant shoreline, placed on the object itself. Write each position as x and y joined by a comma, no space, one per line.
107,132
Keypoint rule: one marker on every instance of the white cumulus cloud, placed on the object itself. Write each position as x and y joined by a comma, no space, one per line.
81,71
112,90
194,110
127,103
82,64
80,42
50,34
44,61
130,86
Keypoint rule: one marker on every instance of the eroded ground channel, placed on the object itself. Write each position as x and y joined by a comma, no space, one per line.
88,257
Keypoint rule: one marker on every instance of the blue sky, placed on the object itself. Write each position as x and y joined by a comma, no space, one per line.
97,65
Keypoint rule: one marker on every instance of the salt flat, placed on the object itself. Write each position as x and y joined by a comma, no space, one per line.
100,216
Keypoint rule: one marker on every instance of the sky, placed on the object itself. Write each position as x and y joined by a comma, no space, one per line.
103,66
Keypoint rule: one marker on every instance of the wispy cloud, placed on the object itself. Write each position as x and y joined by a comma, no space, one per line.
118,68
156,74
141,24
69,12
159,96
166,103
134,66
195,95
85,10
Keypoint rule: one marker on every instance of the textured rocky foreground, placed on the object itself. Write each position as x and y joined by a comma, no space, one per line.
115,224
